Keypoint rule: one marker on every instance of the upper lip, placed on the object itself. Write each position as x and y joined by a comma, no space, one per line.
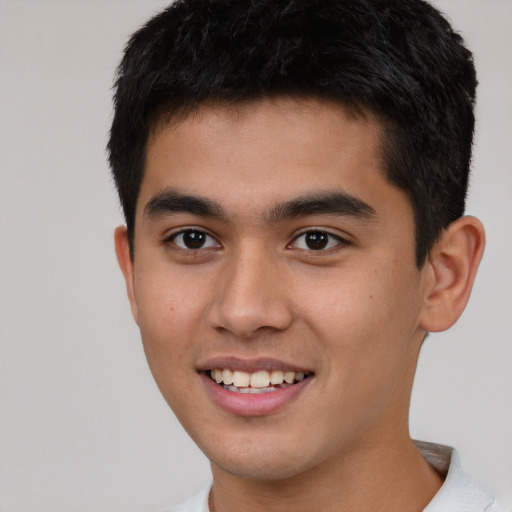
250,365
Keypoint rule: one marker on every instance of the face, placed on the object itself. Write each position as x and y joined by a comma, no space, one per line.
275,286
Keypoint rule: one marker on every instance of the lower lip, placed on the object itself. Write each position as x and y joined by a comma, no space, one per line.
257,404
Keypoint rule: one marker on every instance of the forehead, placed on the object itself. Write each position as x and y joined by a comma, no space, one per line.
278,123
262,153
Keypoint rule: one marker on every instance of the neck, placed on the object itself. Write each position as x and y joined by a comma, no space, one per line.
389,477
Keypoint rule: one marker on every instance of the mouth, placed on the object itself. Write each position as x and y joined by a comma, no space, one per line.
254,387
258,382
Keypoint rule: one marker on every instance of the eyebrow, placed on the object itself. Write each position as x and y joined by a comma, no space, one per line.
336,203
171,202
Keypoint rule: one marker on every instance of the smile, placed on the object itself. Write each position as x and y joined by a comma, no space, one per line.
254,387
257,382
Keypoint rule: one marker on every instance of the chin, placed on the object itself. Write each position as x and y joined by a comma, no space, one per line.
261,461
259,470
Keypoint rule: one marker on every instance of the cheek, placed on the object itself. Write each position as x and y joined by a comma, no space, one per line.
366,323
169,316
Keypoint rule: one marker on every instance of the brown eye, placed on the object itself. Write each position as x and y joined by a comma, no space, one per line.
316,240
193,239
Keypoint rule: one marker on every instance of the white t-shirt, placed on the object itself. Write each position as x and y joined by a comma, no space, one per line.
459,493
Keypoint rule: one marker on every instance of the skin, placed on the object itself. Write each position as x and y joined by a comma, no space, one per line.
354,314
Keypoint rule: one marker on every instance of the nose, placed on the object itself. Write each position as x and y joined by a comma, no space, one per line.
251,298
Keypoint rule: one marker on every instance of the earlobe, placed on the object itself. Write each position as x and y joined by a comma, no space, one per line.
125,261
451,273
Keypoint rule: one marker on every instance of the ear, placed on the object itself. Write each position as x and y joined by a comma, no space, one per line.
450,273
125,261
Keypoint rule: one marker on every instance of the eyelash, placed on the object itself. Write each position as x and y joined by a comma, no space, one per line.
333,243
174,236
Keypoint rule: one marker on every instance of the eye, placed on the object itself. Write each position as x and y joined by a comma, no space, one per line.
317,240
193,239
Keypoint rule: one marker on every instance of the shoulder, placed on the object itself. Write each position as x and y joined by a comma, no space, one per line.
197,503
459,492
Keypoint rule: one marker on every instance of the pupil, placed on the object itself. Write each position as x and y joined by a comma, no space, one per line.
316,240
194,239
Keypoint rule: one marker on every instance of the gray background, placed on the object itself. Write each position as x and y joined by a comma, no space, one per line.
82,425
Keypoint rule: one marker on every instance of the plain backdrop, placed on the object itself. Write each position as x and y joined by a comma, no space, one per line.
83,427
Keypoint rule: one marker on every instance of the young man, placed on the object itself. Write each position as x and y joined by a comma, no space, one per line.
293,177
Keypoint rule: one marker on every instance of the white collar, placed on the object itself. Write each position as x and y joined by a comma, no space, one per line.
459,493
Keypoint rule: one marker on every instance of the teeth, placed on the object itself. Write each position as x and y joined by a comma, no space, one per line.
276,377
289,376
227,376
217,375
261,380
241,379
